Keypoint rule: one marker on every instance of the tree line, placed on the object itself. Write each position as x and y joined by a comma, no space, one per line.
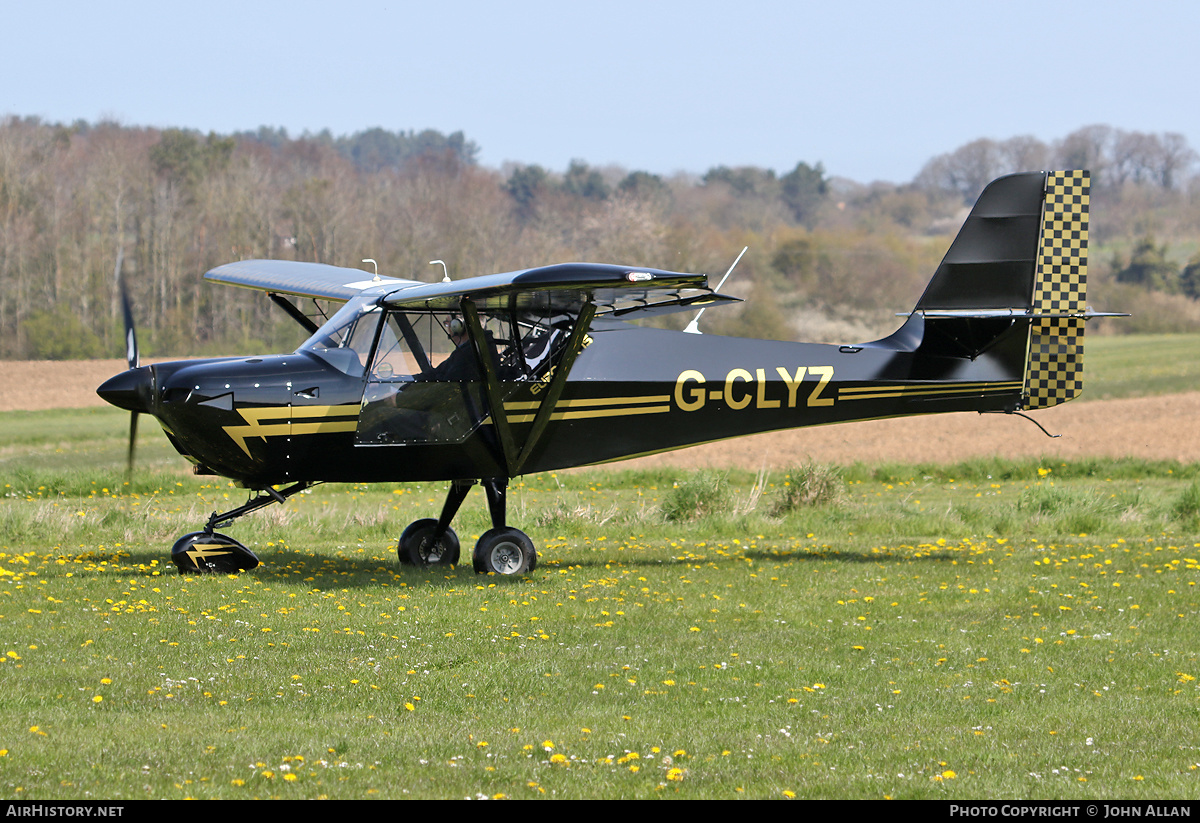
1115,158
85,205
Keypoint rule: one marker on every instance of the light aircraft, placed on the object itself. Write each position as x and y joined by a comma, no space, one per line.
488,378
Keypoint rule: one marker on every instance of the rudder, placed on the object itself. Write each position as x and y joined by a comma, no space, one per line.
1054,368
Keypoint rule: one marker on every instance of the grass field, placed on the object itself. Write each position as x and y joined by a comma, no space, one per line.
1137,365
992,629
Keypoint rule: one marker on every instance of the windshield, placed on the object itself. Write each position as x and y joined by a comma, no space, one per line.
345,341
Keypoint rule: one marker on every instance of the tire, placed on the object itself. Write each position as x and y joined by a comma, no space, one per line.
504,551
416,549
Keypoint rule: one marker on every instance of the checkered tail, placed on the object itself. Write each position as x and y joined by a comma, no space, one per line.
1054,371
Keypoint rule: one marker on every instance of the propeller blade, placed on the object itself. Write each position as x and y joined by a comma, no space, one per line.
133,418
131,347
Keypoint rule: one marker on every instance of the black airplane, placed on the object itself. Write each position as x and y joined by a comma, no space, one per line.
492,377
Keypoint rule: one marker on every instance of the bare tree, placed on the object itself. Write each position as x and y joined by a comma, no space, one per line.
1086,148
965,170
1023,153
1174,158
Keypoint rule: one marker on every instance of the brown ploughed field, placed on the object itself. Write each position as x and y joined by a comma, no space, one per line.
1163,427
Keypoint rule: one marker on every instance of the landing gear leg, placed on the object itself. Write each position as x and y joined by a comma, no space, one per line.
212,552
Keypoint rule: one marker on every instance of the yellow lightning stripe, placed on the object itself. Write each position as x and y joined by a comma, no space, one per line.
883,392
630,403
200,550
579,415
612,401
256,427
599,401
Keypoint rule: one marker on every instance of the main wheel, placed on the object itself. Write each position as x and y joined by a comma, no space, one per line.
416,546
504,551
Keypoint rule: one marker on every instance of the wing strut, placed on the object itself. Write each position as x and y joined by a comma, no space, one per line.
295,313
512,460
557,381
491,385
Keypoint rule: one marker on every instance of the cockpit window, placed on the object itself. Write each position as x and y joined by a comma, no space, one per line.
393,358
433,346
426,384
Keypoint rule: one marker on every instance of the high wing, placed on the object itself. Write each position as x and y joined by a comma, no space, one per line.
565,288
315,280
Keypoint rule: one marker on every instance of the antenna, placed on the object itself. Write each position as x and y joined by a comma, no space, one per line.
373,263
694,326
445,272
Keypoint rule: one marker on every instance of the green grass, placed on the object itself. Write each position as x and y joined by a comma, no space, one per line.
987,629
948,635
72,439
1138,365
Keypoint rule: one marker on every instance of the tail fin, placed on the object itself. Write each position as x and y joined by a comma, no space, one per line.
1018,267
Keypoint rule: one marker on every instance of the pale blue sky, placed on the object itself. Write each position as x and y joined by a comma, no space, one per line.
871,89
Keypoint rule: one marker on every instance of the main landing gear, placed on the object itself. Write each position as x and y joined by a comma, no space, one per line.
501,549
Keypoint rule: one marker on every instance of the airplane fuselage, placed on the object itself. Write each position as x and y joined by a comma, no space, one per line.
287,418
